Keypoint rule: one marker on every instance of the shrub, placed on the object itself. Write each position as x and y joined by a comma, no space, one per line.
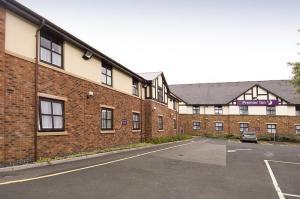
159,140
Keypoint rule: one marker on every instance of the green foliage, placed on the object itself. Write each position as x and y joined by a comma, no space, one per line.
159,140
296,74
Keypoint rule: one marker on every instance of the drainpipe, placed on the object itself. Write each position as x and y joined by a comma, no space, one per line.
36,127
141,115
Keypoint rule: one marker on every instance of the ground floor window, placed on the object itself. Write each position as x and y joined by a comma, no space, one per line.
219,126
244,127
196,125
160,123
51,115
271,128
106,119
136,121
297,128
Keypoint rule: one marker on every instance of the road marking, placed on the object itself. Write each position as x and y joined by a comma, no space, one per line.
284,162
235,150
96,165
277,188
292,195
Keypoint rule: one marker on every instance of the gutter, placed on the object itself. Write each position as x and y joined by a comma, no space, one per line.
36,19
36,127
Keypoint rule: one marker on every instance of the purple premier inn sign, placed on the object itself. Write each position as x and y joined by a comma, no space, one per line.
257,102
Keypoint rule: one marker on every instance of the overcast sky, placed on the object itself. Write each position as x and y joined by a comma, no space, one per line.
190,41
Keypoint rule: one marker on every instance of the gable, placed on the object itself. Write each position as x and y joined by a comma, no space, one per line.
257,92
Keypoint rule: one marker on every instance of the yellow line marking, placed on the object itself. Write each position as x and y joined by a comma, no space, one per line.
96,165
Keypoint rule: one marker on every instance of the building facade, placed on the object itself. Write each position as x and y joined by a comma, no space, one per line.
265,107
61,96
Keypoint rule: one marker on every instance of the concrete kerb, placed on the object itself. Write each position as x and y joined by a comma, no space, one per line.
72,159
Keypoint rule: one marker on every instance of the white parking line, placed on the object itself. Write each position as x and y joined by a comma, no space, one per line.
97,165
292,195
284,162
277,188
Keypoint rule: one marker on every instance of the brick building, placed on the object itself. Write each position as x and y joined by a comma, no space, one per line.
265,107
61,96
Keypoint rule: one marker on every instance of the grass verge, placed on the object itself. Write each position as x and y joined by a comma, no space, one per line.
165,139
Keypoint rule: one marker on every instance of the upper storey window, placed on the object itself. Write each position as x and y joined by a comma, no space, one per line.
218,110
51,51
135,87
160,94
196,109
106,75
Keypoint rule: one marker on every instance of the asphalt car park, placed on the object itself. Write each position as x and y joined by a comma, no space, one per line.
201,168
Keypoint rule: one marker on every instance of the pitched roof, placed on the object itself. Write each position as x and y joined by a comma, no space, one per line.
37,19
150,75
223,93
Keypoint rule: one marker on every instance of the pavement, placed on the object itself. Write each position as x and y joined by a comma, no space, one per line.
201,168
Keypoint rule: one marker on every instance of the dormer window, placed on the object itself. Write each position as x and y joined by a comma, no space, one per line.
51,51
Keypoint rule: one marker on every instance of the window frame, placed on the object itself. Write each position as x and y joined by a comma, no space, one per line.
243,127
243,108
269,130
160,123
218,110
297,110
160,94
112,119
138,122
194,126
196,110
41,129
135,87
270,110
217,128
297,125
107,67
55,41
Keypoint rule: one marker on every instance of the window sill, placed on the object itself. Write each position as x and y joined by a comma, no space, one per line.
136,131
54,133
107,131
161,130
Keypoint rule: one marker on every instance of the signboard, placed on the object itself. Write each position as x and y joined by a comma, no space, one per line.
257,102
124,122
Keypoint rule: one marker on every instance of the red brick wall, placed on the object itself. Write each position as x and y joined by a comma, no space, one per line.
2,89
285,124
82,114
154,109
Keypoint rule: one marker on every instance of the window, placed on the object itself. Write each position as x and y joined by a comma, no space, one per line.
244,127
297,128
106,119
196,125
106,75
244,110
196,109
271,110
136,121
160,94
218,110
160,123
219,126
135,87
51,117
51,51
174,104
271,128
297,110
174,123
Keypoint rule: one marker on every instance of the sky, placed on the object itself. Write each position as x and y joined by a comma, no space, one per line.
191,41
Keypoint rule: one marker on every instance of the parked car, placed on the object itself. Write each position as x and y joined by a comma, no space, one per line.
247,136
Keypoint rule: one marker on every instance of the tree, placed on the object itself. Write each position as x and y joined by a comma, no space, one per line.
296,74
